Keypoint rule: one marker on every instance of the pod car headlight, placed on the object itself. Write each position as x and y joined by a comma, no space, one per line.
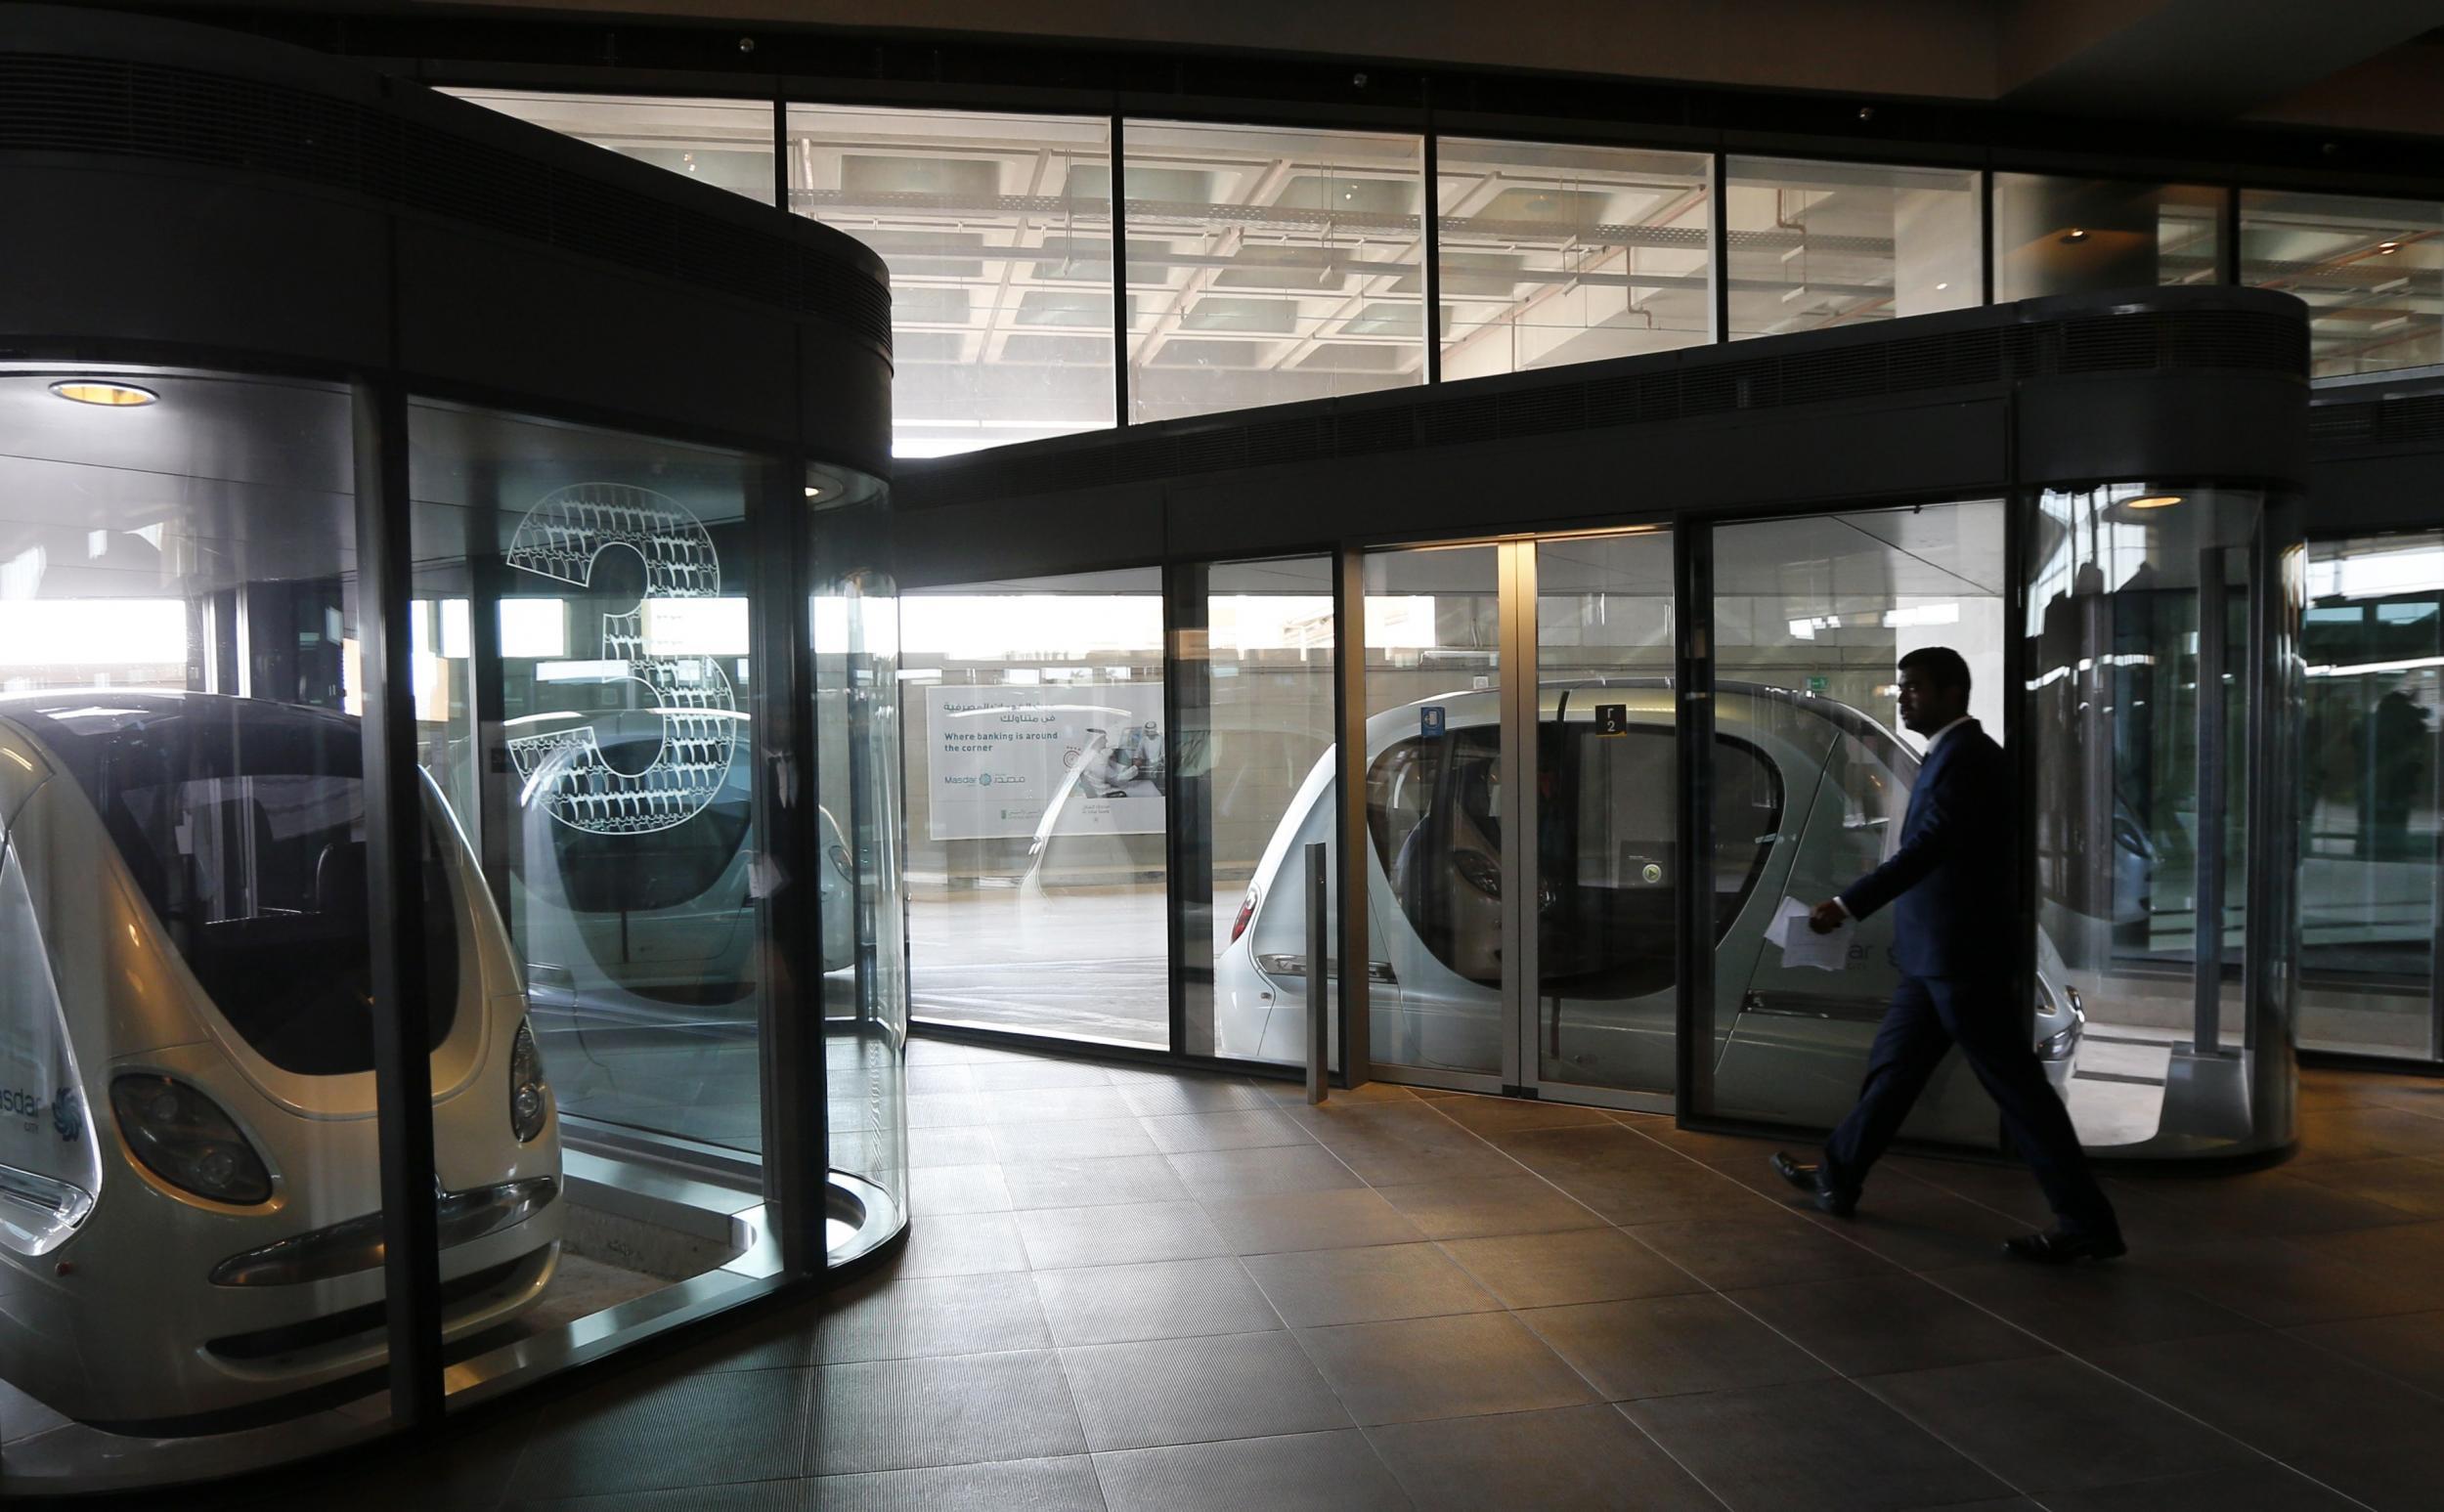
530,1100
185,1138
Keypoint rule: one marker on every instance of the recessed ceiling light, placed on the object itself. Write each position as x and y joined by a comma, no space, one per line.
2388,249
2156,502
1940,288
2074,234
103,391
812,492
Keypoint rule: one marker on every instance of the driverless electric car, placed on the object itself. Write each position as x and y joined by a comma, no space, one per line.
650,927
1808,794
190,1183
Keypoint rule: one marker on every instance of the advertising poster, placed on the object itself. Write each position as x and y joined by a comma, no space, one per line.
1000,760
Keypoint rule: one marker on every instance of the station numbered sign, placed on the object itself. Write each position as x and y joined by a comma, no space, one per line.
1612,718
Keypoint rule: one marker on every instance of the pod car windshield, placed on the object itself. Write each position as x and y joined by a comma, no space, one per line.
242,823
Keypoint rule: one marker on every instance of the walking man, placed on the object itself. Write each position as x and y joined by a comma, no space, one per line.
1951,885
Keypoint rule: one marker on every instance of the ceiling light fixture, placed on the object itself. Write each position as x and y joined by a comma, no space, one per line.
2388,249
2074,234
2155,502
103,391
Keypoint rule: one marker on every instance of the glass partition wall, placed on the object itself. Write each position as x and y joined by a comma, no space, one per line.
2369,832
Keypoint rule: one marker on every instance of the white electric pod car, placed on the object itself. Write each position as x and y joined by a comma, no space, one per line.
190,1184
651,929
1808,794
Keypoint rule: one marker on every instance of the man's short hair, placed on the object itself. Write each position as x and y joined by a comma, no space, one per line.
1939,665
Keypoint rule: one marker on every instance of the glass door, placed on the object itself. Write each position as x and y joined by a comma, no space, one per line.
1519,723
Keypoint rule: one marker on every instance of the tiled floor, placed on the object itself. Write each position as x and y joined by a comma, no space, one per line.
1132,1290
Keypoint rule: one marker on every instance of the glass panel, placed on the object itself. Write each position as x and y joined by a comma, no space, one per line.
1811,785
724,142
1433,766
2371,843
1037,788
1813,244
2370,269
856,624
1555,254
2137,718
1267,265
189,1188
1255,783
2057,235
997,230
1607,813
594,728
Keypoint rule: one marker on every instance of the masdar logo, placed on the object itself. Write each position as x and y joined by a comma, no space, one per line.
563,538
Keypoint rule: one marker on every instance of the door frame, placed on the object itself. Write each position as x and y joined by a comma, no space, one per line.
1519,696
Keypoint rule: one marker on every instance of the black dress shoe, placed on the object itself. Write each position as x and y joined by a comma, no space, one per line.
2054,1247
1810,1178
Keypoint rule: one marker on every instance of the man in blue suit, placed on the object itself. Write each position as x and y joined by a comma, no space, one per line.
1950,884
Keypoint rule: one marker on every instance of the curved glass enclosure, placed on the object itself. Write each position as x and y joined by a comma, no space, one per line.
2162,707
445,842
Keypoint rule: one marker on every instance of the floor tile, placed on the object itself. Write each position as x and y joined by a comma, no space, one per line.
1313,1472
1564,1459
897,1318
1255,1173
958,1144
1869,1324
1188,1391
1668,1190
1815,1446
641,1434
790,1495
2082,1308
904,1414
1481,1206
1169,1299
1605,1147
1124,1233
1008,1486
1424,1367
2263,1487
2365,1434
1503,1115
1735,1252
2408,1349
1232,1129
1311,1289
1309,1220
2415,1184
2098,1432
1663,1346
1553,1270
1412,1144
1153,1096
2367,1133
1071,1139
1091,1182
2275,1202
957,1188
1015,1076
2281,1283
961,1244
1049,1105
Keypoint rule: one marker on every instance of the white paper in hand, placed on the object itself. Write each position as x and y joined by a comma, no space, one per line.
1804,946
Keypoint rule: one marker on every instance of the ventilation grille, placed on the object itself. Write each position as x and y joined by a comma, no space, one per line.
2415,418
53,103
1713,381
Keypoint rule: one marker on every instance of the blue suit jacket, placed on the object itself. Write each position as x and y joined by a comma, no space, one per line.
1950,881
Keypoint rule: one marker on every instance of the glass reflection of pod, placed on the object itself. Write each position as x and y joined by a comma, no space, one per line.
191,870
